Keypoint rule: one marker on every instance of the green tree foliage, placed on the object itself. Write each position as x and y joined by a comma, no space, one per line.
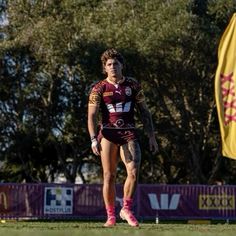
52,56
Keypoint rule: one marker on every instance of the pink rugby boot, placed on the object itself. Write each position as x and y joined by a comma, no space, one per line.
111,217
111,221
127,214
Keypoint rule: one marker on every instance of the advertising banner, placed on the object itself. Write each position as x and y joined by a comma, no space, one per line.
84,201
187,201
58,200
4,200
20,200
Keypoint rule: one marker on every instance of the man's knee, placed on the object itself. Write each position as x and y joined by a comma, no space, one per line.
133,173
109,177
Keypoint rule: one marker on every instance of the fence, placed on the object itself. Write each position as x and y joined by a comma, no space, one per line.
71,201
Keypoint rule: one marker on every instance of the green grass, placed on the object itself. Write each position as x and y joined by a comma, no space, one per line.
24,228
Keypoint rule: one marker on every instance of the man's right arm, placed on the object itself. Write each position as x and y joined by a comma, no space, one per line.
92,128
92,120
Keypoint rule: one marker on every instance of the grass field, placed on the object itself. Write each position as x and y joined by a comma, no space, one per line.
24,228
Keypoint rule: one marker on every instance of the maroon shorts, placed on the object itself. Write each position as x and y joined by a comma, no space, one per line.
118,136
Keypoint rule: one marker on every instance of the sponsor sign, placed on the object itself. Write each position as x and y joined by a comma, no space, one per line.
165,202
58,200
3,202
216,202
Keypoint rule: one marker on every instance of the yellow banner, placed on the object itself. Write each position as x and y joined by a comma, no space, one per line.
225,93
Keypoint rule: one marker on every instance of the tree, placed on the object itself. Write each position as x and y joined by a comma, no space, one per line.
51,57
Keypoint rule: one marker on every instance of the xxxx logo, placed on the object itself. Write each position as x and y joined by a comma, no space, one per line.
229,98
216,202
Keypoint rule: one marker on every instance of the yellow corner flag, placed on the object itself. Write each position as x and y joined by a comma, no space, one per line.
225,93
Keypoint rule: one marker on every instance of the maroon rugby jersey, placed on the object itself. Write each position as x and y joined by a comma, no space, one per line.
117,102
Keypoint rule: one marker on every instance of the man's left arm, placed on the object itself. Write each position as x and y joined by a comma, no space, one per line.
148,126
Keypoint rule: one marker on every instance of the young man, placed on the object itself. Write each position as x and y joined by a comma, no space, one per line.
116,96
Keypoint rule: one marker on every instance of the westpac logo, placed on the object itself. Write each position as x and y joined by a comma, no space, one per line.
216,202
165,202
119,107
58,200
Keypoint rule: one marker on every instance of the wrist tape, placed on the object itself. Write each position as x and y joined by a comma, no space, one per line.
94,142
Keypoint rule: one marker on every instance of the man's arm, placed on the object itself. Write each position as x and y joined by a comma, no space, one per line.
148,126
146,119
92,128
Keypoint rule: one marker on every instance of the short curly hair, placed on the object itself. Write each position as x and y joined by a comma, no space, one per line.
111,53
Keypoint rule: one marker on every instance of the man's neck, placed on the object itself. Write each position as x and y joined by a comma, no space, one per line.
115,80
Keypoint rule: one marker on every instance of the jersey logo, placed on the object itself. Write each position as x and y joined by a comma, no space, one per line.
117,91
106,94
119,107
128,91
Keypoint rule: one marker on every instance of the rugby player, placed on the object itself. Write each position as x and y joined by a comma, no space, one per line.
116,97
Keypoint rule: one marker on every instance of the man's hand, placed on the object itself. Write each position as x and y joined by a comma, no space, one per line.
95,147
153,146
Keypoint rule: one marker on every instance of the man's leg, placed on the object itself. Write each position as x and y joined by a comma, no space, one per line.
131,156
109,164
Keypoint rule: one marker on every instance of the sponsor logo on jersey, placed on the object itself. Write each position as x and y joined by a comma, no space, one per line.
106,94
119,123
119,107
118,91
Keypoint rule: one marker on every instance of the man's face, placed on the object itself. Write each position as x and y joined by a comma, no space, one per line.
113,68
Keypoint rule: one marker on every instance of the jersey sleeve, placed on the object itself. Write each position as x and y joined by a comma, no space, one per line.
95,95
